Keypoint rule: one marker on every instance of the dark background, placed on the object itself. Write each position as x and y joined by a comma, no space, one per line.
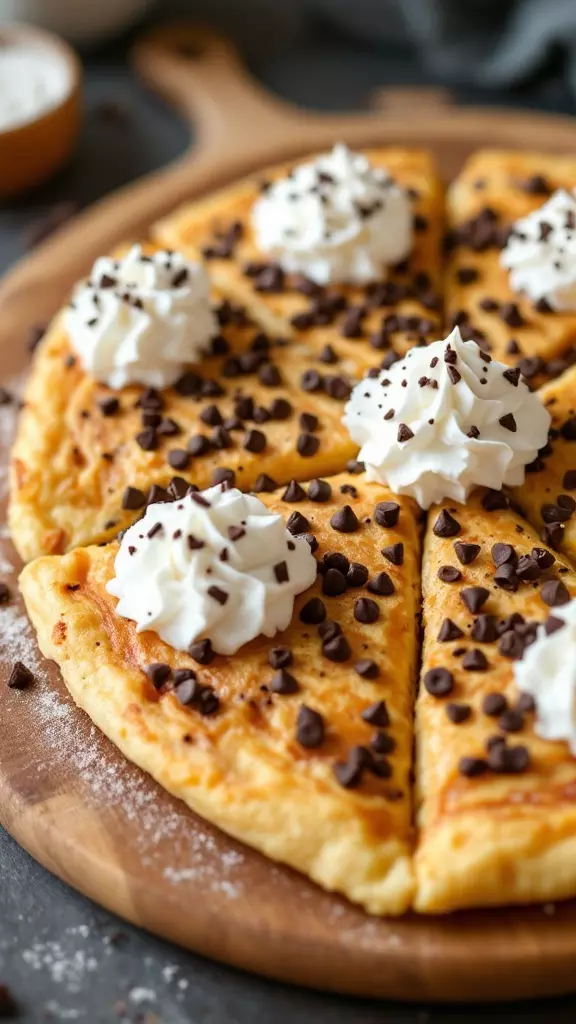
63,958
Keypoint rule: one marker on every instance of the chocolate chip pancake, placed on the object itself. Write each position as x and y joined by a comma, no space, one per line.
497,819
258,411
300,745
494,190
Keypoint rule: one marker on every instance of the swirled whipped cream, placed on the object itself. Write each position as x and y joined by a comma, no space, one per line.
216,565
541,253
141,319
444,419
547,672
335,219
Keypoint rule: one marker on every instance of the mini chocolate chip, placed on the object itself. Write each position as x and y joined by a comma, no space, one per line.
446,525
381,584
283,682
484,629
449,574
311,380
394,553
222,475
471,767
508,760
309,727
525,703
506,578
349,773
569,480
133,499
449,631
294,492
365,610
404,433
382,743
313,612
494,704
307,445
328,629
20,677
367,668
512,376
158,673
439,682
494,500
503,553
466,553
334,583
466,275
511,720
474,598
280,409
319,490
553,624
254,441
527,569
344,520
377,714
109,406
475,661
508,422
201,651
544,559
357,574
458,713
336,649
511,645
199,445
178,458
386,513
280,657
264,484
554,593
269,375
297,524
147,439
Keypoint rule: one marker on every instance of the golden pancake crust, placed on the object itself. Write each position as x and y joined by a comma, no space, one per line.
243,768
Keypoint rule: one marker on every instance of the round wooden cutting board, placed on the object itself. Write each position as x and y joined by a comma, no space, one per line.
65,793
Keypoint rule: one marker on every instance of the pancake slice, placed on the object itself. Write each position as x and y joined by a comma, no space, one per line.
496,814
494,189
325,789
361,325
548,494
262,412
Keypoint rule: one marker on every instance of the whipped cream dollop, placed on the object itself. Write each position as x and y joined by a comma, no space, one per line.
541,253
335,219
216,565
444,419
547,672
141,319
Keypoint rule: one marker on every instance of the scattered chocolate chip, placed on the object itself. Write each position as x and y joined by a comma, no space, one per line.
334,583
475,661
377,714
554,593
133,499
381,584
109,406
446,525
502,554
366,610
471,767
158,673
297,524
20,677
484,629
264,484
307,445
147,439
313,612
525,703
366,668
494,500
508,760
284,683
466,553
386,513
511,720
508,422
439,682
254,441
394,553
458,713
309,727
511,645
336,649
494,704
357,574
449,631
474,598
506,578
319,490
404,433
449,574
201,651
349,773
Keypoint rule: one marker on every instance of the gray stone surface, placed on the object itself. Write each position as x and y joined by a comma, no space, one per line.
64,958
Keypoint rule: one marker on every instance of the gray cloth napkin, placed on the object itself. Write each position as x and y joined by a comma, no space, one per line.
484,42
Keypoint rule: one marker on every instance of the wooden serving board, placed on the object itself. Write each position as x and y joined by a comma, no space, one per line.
65,793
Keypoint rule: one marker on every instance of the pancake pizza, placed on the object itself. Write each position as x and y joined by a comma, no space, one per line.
341,250
547,495
140,381
495,782
298,742
511,276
